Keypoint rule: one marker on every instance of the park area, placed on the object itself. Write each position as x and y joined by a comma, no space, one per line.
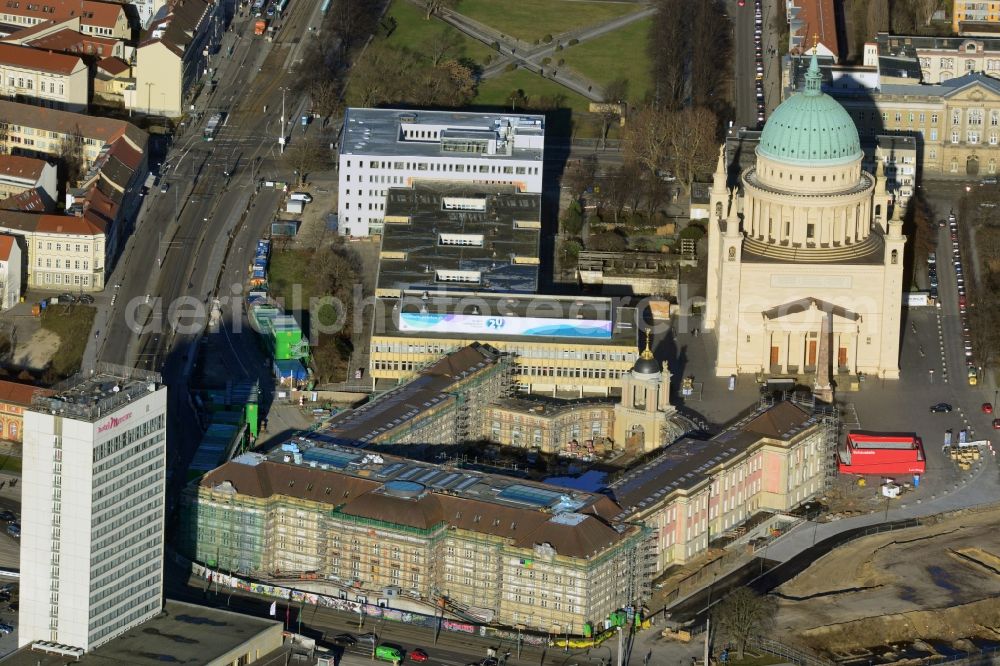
620,54
532,20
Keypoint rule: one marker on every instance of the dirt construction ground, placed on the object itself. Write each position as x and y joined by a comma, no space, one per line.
938,583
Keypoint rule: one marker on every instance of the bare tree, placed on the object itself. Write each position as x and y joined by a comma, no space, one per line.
709,49
742,615
580,175
615,94
304,156
647,138
517,98
446,44
692,139
325,96
432,7
71,156
656,194
878,17
668,45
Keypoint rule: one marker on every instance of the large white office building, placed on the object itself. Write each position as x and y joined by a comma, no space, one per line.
93,499
383,148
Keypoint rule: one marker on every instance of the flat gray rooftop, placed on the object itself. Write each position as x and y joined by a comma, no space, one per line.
182,634
430,233
95,393
382,132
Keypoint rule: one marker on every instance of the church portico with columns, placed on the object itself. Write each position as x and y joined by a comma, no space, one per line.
805,255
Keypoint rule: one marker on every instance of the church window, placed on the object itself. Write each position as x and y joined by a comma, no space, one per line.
994,118
788,229
970,65
814,179
923,118
956,116
810,231
932,153
973,137
954,136
899,116
933,135
911,118
975,116
993,138
934,118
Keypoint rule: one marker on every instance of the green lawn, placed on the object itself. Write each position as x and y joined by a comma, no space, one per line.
287,269
496,91
10,463
415,33
72,323
531,20
619,54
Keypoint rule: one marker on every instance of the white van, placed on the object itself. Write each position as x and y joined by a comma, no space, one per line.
301,196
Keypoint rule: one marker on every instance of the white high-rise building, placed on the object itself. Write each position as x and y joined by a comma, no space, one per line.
93,489
383,148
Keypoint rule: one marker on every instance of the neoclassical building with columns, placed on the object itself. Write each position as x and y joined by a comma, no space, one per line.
804,246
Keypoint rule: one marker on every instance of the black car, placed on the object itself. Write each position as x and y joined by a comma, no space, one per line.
7,516
940,408
85,298
345,639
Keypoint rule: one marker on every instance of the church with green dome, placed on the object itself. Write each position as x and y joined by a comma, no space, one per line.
805,266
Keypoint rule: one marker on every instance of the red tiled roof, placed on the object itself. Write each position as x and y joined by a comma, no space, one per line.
44,61
126,154
69,224
18,166
13,393
90,12
113,65
23,33
6,245
71,41
818,20
29,201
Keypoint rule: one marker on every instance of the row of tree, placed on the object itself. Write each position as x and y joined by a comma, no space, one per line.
690,48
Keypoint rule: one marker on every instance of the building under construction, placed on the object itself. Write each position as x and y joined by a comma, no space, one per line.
487,547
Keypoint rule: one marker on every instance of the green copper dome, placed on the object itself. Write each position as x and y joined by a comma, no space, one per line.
810,127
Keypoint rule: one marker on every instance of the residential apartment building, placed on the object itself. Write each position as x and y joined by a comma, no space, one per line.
384,148
174,55
559,345
92,526
48,79
20,174
496,548
101,19
956,123
697,491
75,251
15,398
11,266
974,16
66,37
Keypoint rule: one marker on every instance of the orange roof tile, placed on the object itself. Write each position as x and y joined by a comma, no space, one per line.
43,61
71,41
68,224
817,20
6,245
90,12
18,166
13,393
113,65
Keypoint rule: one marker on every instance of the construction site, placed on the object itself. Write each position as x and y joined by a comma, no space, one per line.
931,591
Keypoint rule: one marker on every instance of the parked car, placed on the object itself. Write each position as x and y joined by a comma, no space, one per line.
996,424
7,516
987,408
14,530
368,638
345,639
86,299
940,408
5,628
418,655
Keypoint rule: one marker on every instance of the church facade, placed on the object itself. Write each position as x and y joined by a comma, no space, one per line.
805,266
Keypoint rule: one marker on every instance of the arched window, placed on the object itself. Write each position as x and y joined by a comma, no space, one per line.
13,430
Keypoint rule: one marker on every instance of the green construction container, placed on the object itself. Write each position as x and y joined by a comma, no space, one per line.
253,418
618,618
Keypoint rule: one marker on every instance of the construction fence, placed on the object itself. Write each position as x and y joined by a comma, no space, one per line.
374,611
